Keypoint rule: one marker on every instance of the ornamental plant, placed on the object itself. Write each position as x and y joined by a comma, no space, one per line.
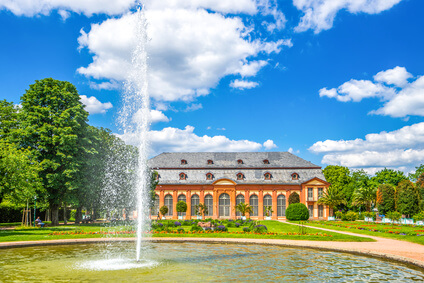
419,216
221,228
260,229
177,224
297,212
163,210
244,208
181,206
294,198
350,216
246,229
268,211
196,227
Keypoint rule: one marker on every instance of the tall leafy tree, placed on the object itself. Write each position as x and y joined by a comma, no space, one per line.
341,181
407,198
419,170
420,187
386,198
365,196
53,123
389,176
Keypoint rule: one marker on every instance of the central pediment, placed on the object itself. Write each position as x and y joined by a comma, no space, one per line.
224,182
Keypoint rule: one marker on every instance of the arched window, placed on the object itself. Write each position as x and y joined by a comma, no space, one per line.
210,161
209,204
209,176
267,202
169,204
224,205
195,200
240,176
295,176
183,176
281,205
239,199
239,161
183,162
267,176
155,208
266,161
254,201
184,199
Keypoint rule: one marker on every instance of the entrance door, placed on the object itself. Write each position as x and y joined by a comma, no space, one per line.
224,205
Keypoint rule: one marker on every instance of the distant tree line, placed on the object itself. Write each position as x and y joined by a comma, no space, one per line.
388,190
48,150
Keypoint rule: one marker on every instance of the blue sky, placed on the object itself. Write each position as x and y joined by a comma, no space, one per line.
335,82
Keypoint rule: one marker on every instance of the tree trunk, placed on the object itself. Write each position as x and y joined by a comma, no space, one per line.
65,220
55,214
78,215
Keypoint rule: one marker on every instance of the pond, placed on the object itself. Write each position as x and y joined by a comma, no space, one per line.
194,262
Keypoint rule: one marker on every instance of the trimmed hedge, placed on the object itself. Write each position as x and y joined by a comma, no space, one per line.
297,212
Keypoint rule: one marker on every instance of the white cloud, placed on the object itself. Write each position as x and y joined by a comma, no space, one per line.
402,98
193,107
319,14
400,148
240,84
355,90
31,8
291,150
94,106
185,140
190,50
397,76
158,116
105,85
269,144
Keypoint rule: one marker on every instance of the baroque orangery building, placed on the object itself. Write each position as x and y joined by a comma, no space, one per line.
221,180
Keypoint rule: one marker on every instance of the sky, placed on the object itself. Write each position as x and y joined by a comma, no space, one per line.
336,82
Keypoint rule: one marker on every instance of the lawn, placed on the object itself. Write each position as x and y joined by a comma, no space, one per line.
276,230
410,233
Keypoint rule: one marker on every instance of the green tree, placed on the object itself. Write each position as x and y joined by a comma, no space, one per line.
365,196
420,187
181,206
413,177
389,176
407,198
333,198
294,198
386,198
341,180
53,123
244,208
9,122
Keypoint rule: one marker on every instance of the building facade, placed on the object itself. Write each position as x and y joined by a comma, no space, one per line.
221,180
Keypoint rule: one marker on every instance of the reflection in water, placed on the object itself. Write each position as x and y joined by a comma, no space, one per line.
192,262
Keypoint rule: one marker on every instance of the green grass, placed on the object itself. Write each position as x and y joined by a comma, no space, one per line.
34,234
357,226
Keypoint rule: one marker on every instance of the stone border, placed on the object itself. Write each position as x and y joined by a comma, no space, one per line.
410,262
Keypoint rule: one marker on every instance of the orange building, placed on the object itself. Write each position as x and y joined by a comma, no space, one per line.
221,180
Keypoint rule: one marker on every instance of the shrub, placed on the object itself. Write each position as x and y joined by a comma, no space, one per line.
163,210
180,230
369,214
207,228
231,224
181,206
350,216
246,229
196,227
186,223
419,216
260,229
237,224
177,224
297,212
294,198
338,214
394,215
221,228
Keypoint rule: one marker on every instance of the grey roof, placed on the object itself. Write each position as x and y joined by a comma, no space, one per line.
229,160
281,166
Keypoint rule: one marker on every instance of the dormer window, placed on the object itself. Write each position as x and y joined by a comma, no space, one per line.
239,161
266,161
183,162
183,176
240,176
295,176
267,176
209,176
210,162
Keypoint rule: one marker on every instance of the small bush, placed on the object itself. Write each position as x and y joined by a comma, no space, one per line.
338,214
237,225
207,228
260,229
419,216
221,228
369,214
180,230
246,229
196,227
297,212
177,224
350,216
231,224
